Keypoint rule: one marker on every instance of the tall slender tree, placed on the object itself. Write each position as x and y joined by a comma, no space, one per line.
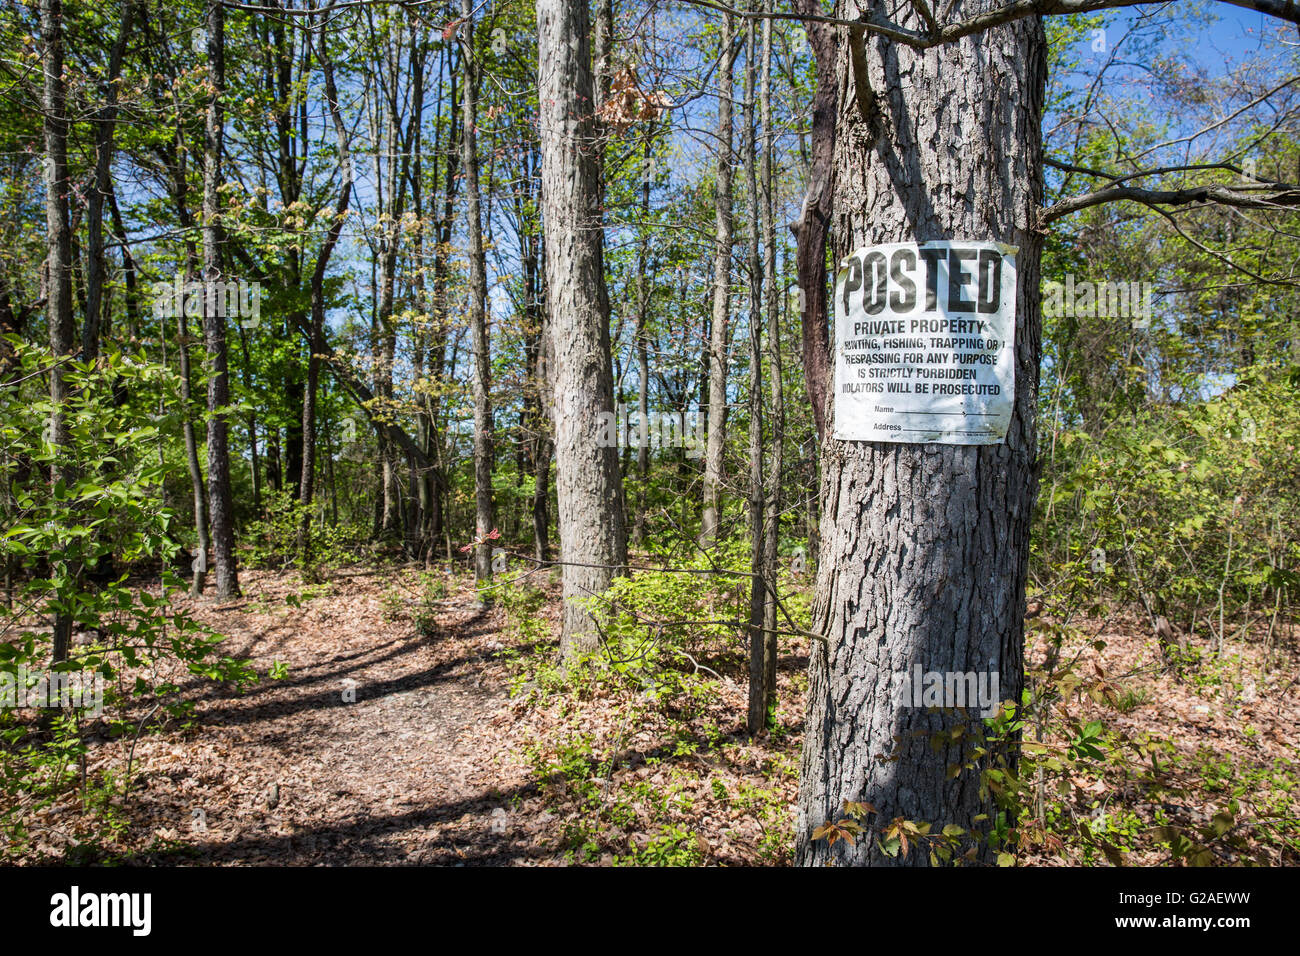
58,260
771,307
483,518
105,125
220,499
642,337
715,440
316,331
757,716
812,228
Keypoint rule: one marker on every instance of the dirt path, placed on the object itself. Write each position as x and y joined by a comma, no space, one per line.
380,747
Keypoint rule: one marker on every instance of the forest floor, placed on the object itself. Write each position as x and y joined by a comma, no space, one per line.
386,743
418,730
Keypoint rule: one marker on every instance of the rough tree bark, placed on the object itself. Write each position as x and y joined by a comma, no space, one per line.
593,532
923,557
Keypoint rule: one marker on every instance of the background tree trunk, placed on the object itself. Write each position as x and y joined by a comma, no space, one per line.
538,395
199,566
715,440
58,258
757,716
316,331
392,165
812,227
642,343
483,521
105,124
924,550
251,420
771,305
220,501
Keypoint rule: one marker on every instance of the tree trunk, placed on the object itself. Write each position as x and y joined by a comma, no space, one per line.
424,486
538,393
392,174
220,499
280,85
193,273
642,350
105,122
436,351
925,547
603,43
719,336
252,425
58,260
316,334
477,315
812,226
771,305
593,534
757,716
307,482
199,566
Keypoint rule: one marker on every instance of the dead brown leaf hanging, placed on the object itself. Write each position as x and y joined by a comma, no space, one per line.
628,103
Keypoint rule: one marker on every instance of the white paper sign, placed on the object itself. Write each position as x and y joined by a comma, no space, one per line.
925,343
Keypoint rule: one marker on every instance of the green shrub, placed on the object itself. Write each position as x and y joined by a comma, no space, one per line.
433,591
1186,510
71,547
522,602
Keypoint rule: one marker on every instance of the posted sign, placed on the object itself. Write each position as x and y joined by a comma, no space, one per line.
925,343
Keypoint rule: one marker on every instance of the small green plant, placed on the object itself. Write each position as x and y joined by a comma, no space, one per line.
522,603
774,816
274,536
428,606
1132,698
392,605
673,845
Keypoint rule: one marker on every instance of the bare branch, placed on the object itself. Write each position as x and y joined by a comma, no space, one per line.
863,94
923,10
1285,197
1114,178
1015,10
